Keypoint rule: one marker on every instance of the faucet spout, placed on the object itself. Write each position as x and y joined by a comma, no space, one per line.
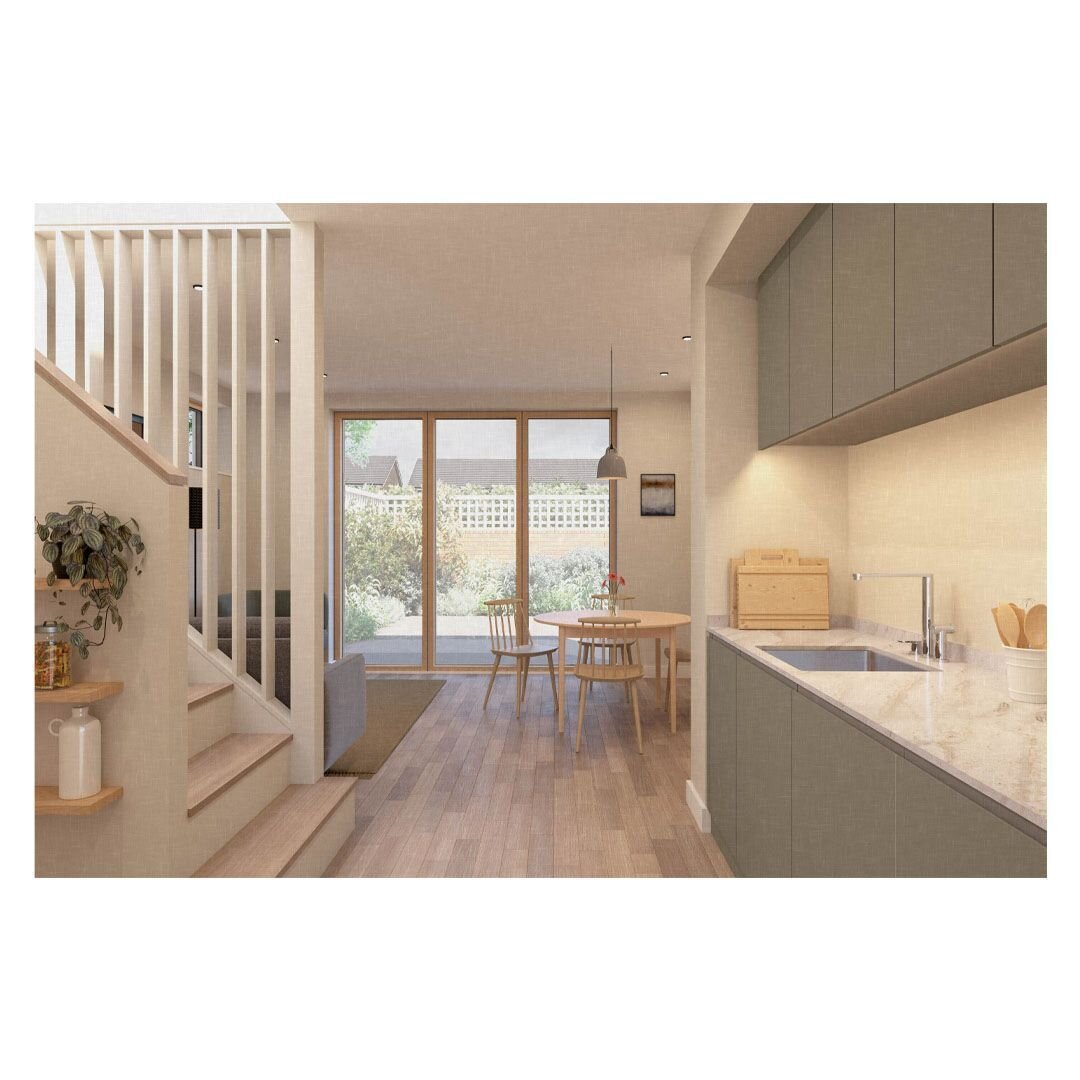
926,632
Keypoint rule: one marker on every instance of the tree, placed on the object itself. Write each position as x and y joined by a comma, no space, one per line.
358,435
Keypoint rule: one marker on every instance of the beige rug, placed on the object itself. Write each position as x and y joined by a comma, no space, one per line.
393,706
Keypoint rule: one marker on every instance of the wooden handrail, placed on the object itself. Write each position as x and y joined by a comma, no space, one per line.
105,420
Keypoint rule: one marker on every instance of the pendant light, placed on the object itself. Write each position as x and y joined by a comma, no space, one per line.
611,466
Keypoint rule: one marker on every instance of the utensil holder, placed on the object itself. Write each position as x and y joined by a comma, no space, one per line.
1025,674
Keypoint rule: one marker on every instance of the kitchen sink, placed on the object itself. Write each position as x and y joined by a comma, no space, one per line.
840,658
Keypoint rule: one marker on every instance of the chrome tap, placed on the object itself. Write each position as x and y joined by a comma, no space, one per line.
925,644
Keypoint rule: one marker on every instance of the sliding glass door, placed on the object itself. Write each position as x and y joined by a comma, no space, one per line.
437,512
380,540
475,532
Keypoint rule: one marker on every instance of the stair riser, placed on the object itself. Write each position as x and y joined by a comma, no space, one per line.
221,819
325,844
208,721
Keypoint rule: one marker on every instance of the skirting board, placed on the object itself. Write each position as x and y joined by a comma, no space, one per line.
698,810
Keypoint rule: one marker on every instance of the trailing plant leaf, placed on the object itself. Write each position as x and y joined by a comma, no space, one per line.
50,553
76,573
93,538
50,578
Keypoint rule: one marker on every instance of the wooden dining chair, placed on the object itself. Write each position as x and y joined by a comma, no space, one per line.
609,637
682,656
508,627
599,602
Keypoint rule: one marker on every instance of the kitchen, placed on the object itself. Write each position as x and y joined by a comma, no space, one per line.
861,718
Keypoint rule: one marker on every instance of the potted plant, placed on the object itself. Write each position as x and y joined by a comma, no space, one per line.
95,551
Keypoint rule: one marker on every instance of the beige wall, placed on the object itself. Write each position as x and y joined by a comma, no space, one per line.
963,498
142,734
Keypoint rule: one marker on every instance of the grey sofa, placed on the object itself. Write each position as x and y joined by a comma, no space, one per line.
344,682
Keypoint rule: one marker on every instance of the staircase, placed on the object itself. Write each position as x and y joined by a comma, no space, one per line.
244,817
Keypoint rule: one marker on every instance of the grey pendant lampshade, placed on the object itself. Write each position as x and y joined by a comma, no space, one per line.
611,466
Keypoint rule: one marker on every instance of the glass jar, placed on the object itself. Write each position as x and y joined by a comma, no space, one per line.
52,657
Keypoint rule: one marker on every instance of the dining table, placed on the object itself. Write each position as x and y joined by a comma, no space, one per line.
660,625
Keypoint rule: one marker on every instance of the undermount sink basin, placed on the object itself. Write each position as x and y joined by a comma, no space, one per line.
840,658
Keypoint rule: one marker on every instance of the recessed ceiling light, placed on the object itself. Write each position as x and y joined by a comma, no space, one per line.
687,337
197,287
664,374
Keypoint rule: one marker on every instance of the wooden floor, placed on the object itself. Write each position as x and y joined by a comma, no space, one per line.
470,793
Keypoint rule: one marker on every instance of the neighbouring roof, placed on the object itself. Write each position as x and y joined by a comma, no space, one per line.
503,471
380,469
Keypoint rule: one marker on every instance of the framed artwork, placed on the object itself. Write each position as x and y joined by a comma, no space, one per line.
657,494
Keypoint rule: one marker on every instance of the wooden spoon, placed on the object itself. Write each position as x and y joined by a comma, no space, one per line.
997,623
1008,625
1035,626
1018,611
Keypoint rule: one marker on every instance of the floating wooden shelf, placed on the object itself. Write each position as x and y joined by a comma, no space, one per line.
47,801
78,693
62,585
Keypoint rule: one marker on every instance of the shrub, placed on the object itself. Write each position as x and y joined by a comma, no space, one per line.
368,611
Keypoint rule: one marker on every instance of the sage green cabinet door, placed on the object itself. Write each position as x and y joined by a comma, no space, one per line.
944,285
843,797
862,303
1019,269
772,312
810,322
763,773
941,833
720,755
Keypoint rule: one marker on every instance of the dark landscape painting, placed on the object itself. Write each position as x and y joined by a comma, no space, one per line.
657,494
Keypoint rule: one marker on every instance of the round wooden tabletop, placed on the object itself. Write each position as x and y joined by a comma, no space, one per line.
650,620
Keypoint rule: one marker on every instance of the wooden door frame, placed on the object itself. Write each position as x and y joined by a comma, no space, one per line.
429,419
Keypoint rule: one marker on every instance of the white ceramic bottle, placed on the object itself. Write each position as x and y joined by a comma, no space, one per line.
80,753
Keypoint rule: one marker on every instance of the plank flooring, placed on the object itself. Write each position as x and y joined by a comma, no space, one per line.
469,793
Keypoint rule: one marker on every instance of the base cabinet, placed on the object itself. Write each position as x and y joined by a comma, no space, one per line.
941,833
794,789
763,773
721,740
843,797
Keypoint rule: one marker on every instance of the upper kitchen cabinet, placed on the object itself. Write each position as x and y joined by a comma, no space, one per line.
1019,269
944,286
862,294
810,321
772,312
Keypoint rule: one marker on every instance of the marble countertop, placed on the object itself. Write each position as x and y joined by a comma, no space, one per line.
958,717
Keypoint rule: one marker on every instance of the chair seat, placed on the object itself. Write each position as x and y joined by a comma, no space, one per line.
532,648
609,672
682,655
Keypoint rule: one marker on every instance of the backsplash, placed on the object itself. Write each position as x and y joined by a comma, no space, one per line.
963,498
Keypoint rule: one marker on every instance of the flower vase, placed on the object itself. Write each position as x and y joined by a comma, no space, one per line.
613,604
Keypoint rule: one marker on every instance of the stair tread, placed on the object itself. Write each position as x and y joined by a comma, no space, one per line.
269,844
218,767
203,691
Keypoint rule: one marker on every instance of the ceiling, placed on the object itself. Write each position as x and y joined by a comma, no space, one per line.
516,297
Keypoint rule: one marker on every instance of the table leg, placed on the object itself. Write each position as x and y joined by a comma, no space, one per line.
672,690
659,693
562,677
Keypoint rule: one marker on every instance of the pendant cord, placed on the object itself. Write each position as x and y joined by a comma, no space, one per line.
611,391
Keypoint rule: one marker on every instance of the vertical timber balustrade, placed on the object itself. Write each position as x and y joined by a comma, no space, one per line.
266,479
307,498
209,532
180,342
94,315
122,326
155,430
239,455
65,306
42,341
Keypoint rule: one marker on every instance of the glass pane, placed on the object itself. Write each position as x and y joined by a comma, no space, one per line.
568,517
475,532
382,543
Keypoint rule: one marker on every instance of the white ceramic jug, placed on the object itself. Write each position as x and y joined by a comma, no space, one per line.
80,753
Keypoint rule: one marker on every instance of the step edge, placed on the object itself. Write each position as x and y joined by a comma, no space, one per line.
282,740
346,790
209,691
